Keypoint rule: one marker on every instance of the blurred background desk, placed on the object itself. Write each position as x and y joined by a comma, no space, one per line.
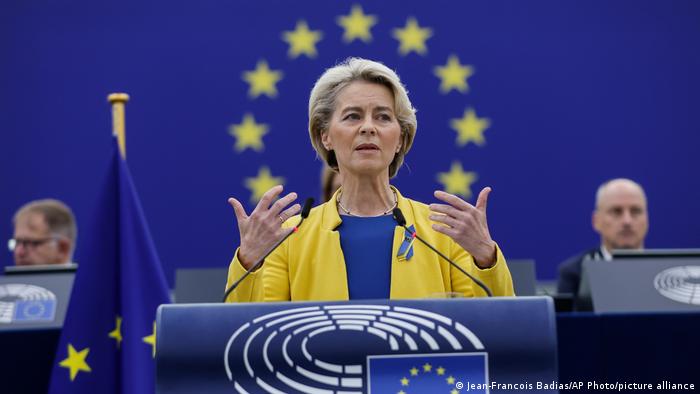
629,347
27,358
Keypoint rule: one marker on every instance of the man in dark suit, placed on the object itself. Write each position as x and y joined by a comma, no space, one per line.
620,217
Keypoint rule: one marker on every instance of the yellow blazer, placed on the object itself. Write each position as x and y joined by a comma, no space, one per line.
309,265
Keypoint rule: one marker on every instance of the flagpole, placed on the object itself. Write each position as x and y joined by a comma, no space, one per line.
118,101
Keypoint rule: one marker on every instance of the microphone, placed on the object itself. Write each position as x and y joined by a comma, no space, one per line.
401,220
304,214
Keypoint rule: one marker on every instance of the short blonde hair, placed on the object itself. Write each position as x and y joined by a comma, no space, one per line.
324,94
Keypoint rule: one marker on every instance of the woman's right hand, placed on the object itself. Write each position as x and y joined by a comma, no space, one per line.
263,228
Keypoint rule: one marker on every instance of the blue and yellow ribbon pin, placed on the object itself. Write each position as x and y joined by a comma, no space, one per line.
406,248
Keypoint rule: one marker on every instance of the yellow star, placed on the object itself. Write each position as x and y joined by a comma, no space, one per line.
401,392
76,361
248,134
117,332
412,37
454,75
456,181
441,371
151,339
357,25
450,380
262,80
302,40
262,183
414,371
404,381
470,128
454,391
427,367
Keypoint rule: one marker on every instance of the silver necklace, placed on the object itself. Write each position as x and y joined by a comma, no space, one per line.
347,211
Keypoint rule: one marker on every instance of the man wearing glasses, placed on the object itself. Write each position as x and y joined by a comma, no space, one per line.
45,233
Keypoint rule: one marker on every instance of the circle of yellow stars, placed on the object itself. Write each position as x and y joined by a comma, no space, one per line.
76,361
357,26
426,368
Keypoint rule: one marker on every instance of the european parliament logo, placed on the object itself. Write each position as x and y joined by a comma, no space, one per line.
681,284
383,349
26,303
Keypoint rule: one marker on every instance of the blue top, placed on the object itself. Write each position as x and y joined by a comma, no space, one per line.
366,243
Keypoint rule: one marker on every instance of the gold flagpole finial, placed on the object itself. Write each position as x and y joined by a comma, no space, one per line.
118,101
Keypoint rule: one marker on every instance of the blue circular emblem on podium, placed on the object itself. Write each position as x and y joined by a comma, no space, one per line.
26,303
387,349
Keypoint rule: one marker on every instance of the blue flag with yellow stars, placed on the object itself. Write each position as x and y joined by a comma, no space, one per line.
541,100
355,31
428,373
108,340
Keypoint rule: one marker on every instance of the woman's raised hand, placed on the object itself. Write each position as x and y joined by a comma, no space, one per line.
466,224
263,228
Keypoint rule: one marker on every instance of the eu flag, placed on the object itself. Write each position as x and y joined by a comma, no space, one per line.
428,373
541,100
108,340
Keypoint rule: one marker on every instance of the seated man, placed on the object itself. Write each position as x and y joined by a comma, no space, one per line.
45,233
620,217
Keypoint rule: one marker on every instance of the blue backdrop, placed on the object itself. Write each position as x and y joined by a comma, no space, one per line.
565,95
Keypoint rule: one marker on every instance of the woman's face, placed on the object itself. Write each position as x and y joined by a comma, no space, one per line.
364,132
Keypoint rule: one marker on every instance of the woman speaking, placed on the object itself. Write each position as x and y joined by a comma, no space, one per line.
362,124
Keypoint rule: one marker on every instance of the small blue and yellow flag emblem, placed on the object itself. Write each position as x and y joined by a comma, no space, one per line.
406,248
427,373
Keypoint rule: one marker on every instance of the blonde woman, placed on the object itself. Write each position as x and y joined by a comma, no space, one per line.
362,124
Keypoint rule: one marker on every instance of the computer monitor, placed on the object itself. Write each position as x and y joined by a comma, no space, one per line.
624,254
40,269
198,285
524,278
34,301
642,281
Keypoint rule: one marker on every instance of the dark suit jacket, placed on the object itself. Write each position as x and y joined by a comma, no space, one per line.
570,271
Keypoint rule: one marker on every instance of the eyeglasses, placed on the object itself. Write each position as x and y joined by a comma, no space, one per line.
13,243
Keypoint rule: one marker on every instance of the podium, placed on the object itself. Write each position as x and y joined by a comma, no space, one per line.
479,345
32,309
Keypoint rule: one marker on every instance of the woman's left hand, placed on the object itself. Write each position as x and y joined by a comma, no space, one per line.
466,225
